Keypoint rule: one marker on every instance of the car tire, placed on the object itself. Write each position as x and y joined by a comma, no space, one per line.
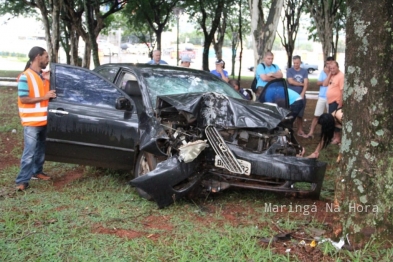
145,163
310,70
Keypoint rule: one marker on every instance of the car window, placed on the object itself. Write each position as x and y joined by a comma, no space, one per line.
179,82
108,72
77,85
126,77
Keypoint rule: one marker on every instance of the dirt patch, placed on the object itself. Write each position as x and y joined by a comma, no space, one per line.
158,222
9,141
69,177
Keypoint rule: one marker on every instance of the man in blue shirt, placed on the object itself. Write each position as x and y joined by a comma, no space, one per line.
297,79
322,101
219,71
157,59
266,72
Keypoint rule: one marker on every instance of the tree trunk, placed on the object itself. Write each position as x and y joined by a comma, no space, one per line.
234,45
51,27
205,54
325,13
240,33
264,32
89,15
293,9
86,60
209,34
74,42
364,187
219,42
158,33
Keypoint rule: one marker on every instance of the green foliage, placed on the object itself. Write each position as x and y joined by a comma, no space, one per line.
17,8
146,18
8,73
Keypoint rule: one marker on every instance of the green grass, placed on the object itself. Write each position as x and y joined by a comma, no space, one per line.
99,217
9,73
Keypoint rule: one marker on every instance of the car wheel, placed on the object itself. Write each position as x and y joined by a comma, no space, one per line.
145,163
310,70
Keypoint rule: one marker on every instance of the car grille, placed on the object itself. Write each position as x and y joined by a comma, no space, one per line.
220,148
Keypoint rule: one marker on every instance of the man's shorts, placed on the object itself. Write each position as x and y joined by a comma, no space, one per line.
320,107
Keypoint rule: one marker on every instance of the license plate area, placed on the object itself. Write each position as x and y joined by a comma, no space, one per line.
246,166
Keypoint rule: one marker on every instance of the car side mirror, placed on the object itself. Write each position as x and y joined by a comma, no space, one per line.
123,103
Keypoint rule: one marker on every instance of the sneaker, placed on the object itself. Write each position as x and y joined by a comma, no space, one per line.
22,187
41,176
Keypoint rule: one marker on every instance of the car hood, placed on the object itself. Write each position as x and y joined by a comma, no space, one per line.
223,111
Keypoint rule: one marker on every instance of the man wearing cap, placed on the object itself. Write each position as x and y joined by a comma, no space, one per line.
219,71
185,61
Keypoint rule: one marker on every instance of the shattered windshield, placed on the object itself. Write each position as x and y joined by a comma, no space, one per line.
170,82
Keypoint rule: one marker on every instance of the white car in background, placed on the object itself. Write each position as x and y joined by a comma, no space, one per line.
108,49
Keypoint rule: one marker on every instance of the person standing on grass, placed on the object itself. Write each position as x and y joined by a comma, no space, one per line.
321,103
334,94
266,71
297,79
33,99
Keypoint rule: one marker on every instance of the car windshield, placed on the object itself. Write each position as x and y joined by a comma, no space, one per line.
170,82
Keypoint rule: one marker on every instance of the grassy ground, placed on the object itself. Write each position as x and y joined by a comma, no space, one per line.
92,214
4,73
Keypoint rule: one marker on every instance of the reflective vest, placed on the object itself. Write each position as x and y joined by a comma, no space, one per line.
34,114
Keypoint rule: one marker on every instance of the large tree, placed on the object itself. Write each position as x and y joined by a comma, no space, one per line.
208,14
238,28
364,188
264,30
327,15
293,10
50,17
88,20
154,13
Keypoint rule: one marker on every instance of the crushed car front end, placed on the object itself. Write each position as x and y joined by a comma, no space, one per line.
214,142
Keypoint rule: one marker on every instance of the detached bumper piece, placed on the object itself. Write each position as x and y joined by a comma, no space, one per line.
170,181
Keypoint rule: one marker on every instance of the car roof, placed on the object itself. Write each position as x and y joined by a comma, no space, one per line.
142,66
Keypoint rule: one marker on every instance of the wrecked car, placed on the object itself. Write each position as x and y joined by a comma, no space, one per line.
181,131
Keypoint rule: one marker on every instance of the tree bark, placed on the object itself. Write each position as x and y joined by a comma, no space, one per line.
219,41
365,183
264,32
209,34
51,26
240,33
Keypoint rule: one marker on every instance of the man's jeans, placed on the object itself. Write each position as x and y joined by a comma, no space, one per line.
33,156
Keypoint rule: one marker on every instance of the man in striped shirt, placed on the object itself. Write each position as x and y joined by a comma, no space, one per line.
33,98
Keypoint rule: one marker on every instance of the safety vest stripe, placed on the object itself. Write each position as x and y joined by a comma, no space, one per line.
34,119
33,110
35,85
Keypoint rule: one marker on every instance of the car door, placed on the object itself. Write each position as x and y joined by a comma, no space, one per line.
84,127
